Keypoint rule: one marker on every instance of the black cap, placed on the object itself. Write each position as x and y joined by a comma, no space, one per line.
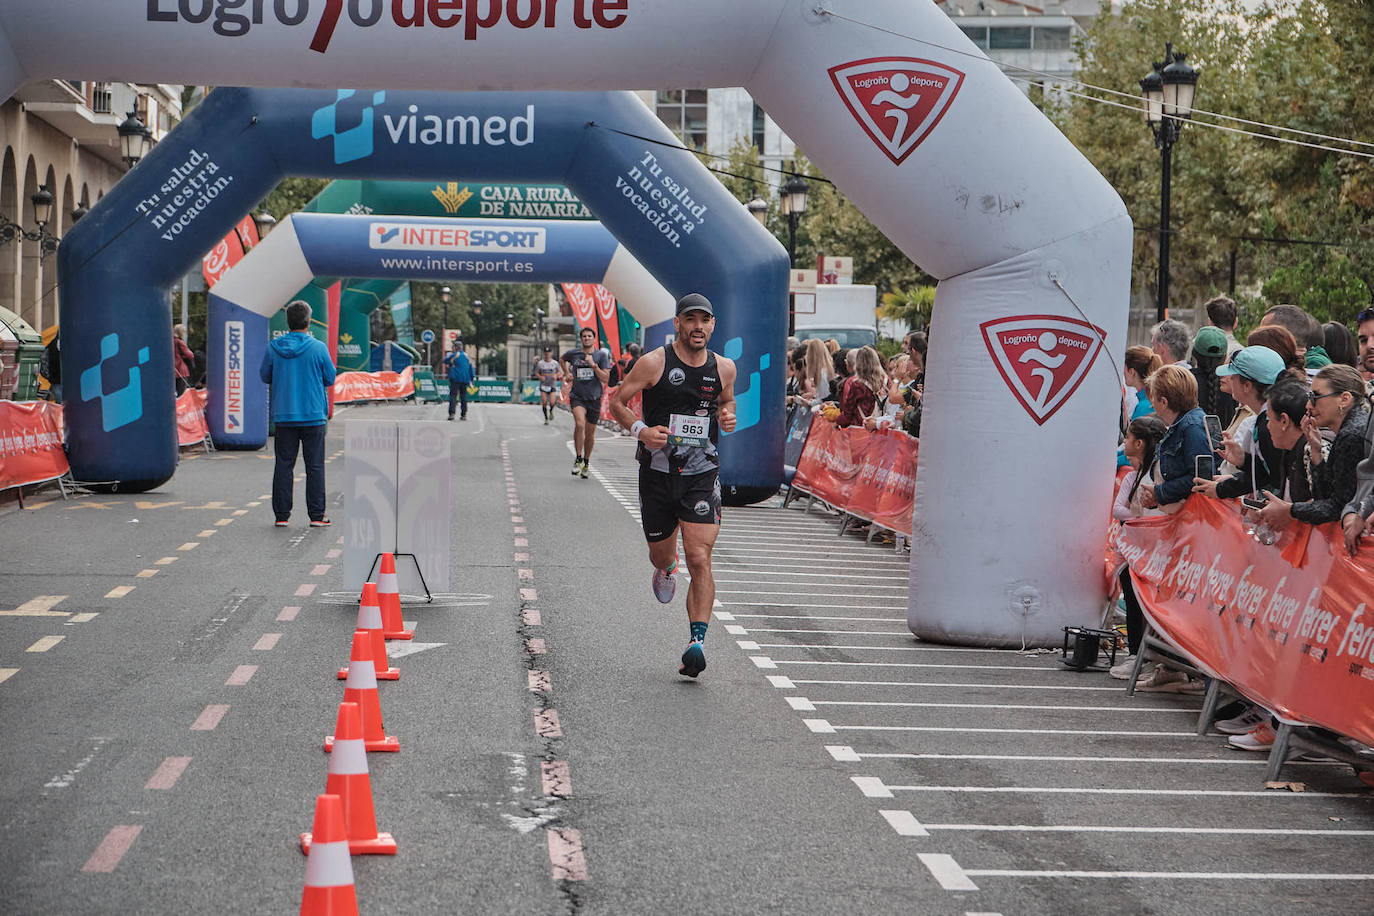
695,302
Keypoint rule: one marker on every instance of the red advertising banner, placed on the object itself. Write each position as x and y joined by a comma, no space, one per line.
636,404
870,474
30,443
219,259
583,302
191,426
1285,624
610,320
373,386
247,232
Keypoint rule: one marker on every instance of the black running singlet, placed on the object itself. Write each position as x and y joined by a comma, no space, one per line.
684,400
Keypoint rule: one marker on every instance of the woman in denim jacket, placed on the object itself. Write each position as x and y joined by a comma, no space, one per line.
1173,392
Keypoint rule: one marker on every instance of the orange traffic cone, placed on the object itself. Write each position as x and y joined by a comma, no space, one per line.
389,594
361,688
329,870
348,779
370,619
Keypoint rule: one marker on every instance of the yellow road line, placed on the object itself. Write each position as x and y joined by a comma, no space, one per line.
206,533
119,591
166,561
146,573
7,673
44,644
40,606
224,521
84,617
240,511
189,545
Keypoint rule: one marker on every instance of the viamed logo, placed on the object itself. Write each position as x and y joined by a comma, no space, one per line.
352,143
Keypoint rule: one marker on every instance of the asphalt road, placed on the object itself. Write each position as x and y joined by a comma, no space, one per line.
167,674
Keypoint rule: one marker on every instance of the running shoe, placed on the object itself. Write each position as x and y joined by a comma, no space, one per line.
665,583
1242,723
1122,669
1164,680
693,660
585,464
1259,738
577,466
322,522
283,523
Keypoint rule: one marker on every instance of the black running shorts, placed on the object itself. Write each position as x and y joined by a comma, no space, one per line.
593,407
666,499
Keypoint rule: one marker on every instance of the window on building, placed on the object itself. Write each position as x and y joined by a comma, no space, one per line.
1009,38
684,111
758,132
1051,38
978,34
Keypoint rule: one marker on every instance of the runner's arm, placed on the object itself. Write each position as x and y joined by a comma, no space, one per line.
644,374
602,375
725,404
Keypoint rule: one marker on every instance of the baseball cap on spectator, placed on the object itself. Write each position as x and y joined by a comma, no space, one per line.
1258,364
1316,358
1210,341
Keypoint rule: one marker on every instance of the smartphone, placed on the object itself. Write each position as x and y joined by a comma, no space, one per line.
1257,501
1205,466
1213,430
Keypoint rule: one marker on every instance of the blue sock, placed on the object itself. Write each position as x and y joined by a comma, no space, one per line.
699,632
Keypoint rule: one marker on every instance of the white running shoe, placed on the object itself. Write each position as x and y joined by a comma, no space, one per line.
1164,680
1242,723
665,584
1259,738
1122,669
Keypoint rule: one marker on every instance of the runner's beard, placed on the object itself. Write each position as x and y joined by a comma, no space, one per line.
693,344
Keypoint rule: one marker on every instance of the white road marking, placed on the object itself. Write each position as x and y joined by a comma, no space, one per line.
904,822
1167,875
947,872
400,648
871,786
748,645
735,630
1102,733
958,684
1127,828
780,682
819,617
800,704
1191,793
842,753
762,661
1123,708
1227,760
819,726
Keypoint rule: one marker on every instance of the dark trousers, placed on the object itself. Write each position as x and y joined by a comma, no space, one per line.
457,391
310,440
1135,618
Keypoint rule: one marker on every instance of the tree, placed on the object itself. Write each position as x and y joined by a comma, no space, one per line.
912,305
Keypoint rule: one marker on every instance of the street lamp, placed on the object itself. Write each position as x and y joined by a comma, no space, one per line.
134,139
792,196
1167,92
264,221
42,201
758,209
80,211
538,326
476,309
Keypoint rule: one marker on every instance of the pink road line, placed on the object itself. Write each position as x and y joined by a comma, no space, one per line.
518,519
288,613
539,682
208,719
513,502
522,542
170,770
546,724
112,849
520,530
532,618
535,646
305,591
242,674
333,553
525,573
522,558
266,642
529,594
557,781
340,540
321,569
565,855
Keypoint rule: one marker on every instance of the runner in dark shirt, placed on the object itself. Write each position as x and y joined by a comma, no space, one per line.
589,369
689,397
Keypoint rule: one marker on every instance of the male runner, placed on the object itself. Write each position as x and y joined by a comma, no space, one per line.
589,369
548,373
689,396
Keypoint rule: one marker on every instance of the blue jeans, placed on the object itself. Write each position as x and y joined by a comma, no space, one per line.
310,440
457,391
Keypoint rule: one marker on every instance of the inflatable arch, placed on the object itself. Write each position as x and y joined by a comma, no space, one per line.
887,97
305,245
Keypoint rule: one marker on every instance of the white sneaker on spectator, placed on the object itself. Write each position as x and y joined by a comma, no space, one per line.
1259,738
1242,723
1122,670
1164,680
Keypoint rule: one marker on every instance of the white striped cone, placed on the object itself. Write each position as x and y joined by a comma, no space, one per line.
370,619
329,869
361,688
389,596
348,778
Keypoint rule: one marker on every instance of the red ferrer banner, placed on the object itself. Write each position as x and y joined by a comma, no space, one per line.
610,320
1285,624
583,302
191,426
868,474
373,386
30,443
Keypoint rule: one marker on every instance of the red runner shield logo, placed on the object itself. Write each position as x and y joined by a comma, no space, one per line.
897,100
1043,358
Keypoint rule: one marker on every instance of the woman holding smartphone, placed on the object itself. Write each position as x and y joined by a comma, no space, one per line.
1173,392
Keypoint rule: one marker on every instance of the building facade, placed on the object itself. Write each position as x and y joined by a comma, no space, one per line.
61,135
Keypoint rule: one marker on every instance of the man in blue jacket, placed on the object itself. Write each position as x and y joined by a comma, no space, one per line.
460,376
299,369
